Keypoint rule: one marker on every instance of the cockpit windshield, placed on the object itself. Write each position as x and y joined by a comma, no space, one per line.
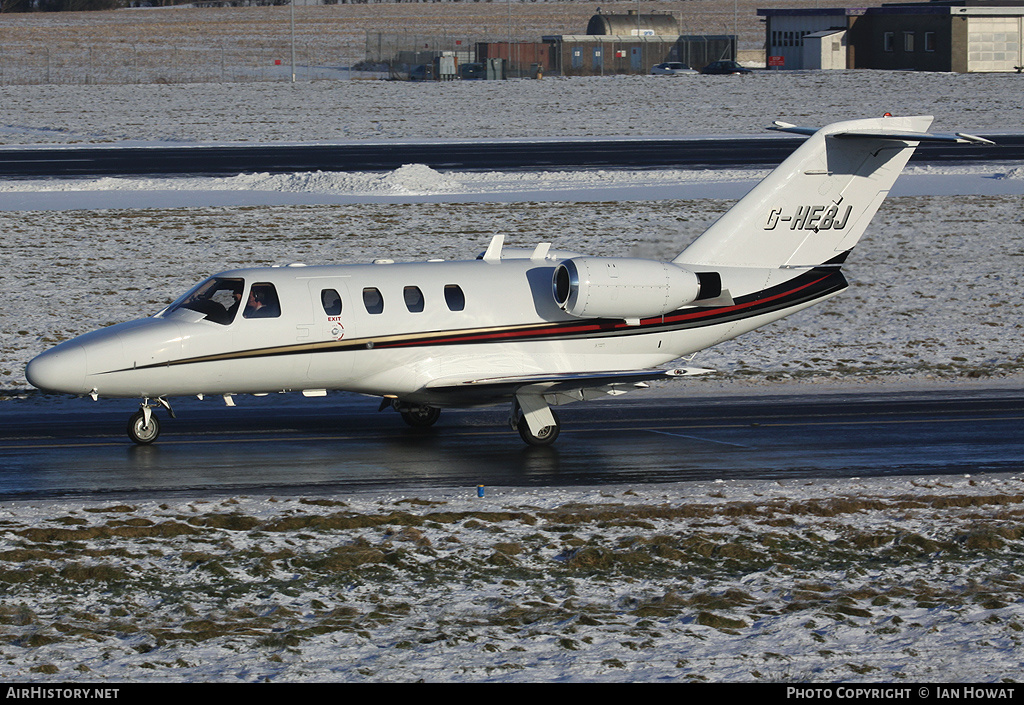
217,299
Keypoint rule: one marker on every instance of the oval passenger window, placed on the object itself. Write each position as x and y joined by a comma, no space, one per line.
331,301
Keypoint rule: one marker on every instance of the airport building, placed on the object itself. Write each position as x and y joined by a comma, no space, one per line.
963,36
632,43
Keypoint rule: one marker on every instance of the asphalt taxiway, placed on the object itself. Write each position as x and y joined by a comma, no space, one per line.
685,152
338,444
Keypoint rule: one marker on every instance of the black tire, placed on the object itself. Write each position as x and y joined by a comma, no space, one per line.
139,432
421,416
547,435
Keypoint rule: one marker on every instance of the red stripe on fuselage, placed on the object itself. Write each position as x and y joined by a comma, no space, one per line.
580,328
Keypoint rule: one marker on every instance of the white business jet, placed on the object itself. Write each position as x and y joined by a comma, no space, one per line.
532,328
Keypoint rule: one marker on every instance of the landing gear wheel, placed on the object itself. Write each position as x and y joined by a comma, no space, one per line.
547,435
139,431
421,416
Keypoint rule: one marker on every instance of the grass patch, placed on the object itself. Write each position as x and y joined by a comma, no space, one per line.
274,583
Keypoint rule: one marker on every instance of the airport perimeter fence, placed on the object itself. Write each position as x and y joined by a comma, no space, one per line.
394,55
59,64
404,54
386,55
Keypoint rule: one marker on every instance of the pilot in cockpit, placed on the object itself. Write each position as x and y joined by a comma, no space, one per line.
262,302
236,295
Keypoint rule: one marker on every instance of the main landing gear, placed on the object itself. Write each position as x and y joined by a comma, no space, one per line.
416,415
544,437
420,416
537,423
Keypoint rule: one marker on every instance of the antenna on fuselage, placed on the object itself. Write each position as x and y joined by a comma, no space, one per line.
493,253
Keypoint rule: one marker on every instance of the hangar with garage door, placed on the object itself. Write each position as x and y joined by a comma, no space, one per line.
964,36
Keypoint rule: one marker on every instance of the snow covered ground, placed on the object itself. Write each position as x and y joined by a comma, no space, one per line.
552,107
894,580
901,580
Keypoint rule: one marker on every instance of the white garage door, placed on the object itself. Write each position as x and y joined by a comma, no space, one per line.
993,43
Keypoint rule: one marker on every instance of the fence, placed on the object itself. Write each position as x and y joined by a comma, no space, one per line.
142,63
399,53
385,55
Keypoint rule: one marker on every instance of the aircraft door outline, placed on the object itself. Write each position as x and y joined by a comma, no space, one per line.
332,306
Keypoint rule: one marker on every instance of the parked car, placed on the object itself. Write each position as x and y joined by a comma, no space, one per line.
423,72
472,71
720,67
671,68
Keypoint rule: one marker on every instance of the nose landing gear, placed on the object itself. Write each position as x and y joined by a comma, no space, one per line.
144,426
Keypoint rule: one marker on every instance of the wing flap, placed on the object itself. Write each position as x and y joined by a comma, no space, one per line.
567,379
559,388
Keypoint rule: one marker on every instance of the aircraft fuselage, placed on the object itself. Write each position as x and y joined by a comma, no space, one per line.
334,328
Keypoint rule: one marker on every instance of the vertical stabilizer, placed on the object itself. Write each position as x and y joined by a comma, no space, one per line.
814,207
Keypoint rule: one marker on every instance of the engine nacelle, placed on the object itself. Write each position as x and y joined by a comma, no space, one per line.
619,287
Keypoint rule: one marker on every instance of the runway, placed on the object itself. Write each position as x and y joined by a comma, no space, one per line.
288,444
501,154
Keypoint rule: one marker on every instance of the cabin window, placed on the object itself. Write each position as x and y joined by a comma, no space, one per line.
889,41
373,300
929,41
908,41
413,299
331,301
454,297
262,302
216,298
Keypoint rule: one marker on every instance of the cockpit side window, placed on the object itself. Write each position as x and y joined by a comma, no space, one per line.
216,298
331,301
262,302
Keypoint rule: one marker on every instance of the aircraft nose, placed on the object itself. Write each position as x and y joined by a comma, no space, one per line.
61,369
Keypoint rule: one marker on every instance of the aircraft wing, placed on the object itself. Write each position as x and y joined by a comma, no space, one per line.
559,388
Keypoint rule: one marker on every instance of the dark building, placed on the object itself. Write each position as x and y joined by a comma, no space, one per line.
946,35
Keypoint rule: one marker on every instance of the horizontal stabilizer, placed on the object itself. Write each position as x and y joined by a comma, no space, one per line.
901,135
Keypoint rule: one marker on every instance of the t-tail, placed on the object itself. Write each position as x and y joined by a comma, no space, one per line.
816,205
